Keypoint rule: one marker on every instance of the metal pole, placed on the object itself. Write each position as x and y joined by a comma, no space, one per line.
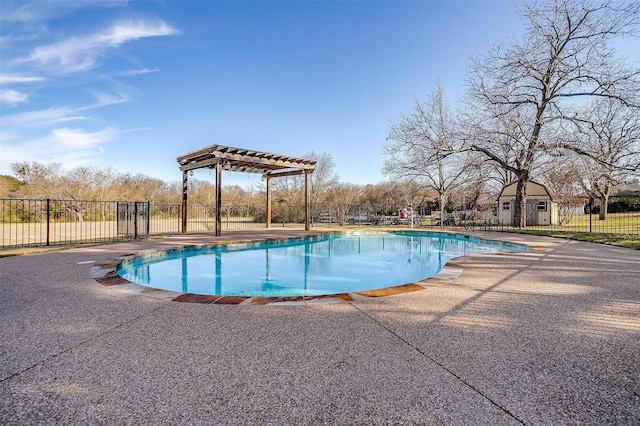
135,220
48,218
148,218
184,201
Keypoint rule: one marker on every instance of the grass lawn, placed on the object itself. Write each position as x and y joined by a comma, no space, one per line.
620,240
620,229
616,223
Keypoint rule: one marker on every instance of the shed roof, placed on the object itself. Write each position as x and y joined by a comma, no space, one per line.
243,160
546,189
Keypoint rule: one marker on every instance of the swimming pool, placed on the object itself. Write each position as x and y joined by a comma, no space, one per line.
330,264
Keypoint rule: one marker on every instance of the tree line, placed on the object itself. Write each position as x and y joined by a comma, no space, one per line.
33,180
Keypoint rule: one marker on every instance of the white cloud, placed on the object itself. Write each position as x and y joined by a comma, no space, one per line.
80,54
139,71
40,10
5,137
45,117
132,30
12,97
17,79
71,147
66,140
105,99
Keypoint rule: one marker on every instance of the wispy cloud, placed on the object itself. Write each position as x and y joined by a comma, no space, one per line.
41,10
79,54
18,79
12,97
105,99
71,147
78,139
51,116
139,71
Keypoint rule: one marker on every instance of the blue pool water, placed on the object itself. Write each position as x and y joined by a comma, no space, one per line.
330,264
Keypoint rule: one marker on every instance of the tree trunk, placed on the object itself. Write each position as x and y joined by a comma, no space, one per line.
444,198
520,203
604,202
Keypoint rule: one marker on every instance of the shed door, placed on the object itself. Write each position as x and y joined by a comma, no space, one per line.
532,212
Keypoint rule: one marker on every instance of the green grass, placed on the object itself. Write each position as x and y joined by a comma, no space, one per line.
616,223
620,240
620,229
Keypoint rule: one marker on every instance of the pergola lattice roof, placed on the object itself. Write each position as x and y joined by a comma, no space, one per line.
244,160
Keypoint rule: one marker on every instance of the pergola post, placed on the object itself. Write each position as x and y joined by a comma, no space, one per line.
184,201
218,199
307,200
268,201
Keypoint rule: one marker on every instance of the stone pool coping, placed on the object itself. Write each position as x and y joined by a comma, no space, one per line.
105,273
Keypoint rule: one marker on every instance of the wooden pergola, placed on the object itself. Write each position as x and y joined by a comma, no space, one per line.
220,157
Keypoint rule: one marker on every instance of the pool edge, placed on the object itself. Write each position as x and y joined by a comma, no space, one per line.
106,273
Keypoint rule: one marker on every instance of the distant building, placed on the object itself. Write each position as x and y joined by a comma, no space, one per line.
542,208
628,192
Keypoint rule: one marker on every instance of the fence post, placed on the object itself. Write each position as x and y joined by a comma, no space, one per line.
48,219
590,213
135,220
148,218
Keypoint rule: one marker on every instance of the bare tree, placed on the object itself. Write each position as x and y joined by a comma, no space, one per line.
9,186
419,147
89,183
86,183
323,179
501,132
383,193
562,175
609,141
235,195
565,55
341,196
38,180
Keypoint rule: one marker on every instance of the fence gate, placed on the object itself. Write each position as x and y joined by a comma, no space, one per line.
133,219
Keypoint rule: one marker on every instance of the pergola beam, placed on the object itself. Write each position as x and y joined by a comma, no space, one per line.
199,165
284,174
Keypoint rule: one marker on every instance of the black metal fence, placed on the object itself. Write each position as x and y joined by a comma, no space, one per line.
621,218
63,222
27,223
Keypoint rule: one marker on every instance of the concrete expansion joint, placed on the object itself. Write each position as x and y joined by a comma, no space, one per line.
78,345
442,366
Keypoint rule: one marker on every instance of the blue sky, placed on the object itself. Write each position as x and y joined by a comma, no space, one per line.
134,84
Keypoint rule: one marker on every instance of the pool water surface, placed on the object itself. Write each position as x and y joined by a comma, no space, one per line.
331,264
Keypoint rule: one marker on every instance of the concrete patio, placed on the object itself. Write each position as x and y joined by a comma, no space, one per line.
548,336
